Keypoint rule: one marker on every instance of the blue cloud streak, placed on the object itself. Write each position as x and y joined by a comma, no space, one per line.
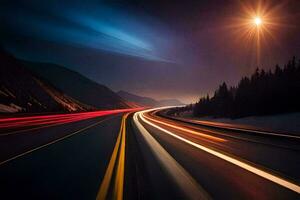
79,28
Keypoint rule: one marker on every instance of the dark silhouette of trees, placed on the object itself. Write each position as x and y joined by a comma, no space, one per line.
178,110
262,93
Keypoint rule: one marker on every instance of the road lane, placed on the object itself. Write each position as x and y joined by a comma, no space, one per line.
243,134
51,142
69,169
142,161
145,177
238,128
15,144
240,183
258,149
181,177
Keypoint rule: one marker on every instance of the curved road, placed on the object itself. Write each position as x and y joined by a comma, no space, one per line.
145,155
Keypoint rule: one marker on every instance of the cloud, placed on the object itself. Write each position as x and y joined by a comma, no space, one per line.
110,30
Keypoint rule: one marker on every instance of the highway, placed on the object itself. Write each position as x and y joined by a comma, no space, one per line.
227,164
135,154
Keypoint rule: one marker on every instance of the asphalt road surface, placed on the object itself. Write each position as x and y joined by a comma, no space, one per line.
145,155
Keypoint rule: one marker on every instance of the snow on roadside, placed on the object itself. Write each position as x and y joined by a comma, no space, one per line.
12,108
289,123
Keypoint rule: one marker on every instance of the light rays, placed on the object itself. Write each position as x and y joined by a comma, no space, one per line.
257,26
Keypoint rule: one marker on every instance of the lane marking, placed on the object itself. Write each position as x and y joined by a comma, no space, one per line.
102,193
37,128
181,177
119,182
26,130
276,179
54,141
120,168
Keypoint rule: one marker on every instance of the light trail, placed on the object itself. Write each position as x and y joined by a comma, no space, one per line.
16,122
181,177
276,179
217,139
53,142
230,127
119,178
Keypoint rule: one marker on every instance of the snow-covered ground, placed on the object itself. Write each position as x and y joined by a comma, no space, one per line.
12,108
288,123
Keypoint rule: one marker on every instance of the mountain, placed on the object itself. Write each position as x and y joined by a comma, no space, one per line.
142,101
77,86
147,101
170,102
21,91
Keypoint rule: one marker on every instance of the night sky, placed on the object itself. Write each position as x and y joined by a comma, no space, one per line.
163,49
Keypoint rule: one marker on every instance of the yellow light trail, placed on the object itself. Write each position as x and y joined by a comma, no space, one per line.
119,182
181,177
119,178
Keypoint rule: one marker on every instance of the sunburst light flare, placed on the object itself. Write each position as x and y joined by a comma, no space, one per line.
257,26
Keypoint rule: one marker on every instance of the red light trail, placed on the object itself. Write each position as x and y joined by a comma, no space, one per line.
15,122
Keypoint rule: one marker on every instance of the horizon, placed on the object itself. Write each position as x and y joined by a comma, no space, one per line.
186,101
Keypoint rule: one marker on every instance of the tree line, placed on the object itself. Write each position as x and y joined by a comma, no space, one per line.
263,93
